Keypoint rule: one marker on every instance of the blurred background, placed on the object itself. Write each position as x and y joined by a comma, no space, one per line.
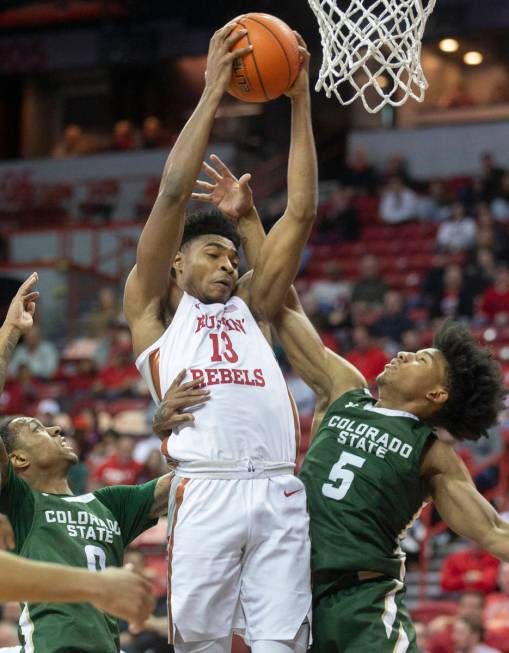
413,227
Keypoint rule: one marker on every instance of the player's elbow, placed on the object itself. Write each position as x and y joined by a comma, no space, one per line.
302,209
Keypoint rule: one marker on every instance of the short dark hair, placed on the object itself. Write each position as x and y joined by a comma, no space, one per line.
210,222
474,382
8,435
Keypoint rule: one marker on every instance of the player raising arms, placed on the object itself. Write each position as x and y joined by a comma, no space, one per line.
239,548
53,526
373,463
117,591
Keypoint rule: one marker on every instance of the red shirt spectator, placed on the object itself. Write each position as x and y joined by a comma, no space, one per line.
496,612
367,358
471,569
495,300
119,468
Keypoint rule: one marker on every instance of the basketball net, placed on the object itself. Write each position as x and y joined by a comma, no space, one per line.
374,46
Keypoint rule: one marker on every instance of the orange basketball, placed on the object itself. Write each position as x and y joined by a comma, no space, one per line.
270,69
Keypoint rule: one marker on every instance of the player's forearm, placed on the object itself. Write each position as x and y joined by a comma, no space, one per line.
162,233
252,235
27,580
9,337
302,163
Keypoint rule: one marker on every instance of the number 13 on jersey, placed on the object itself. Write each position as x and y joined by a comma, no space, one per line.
341,473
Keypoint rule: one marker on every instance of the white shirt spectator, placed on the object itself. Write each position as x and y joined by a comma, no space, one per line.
398,203
457,235
40,356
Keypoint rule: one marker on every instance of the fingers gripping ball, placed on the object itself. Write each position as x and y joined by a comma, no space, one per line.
273,65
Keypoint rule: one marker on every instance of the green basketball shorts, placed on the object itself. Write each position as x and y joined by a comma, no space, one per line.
368,617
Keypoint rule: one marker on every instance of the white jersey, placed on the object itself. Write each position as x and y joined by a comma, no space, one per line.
250,416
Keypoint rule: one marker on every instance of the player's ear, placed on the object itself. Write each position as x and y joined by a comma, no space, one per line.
178,261
438,396
19,460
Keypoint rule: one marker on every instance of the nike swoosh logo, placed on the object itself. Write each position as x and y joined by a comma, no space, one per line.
289,494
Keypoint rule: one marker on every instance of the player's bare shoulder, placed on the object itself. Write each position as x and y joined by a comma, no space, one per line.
148,320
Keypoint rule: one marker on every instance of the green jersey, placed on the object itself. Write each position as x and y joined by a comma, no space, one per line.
362,476
89,531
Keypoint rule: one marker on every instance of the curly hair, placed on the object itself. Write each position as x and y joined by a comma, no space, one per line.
474,382
211,222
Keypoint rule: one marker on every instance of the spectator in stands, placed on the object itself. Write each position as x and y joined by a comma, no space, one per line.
152,134
40,355
500,203
333,291
393,321
481,270
495,300
421,636
369,288
398,203
46,411
490,177
72,144
496,612
411,340
337,218
396,166
120,468
107,311
120,377
19,391
8,636
457,234
153,467
359,173
469,569
435,204
365,355
118,336
468,635
124,137
454,299
458,98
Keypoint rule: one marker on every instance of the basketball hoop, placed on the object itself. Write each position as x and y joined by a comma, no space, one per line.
372,44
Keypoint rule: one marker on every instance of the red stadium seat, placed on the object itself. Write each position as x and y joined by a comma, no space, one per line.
427,611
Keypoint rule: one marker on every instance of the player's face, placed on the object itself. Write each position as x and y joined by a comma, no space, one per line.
44,446
208,268
415,374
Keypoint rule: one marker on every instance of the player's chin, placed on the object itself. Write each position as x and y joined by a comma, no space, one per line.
218,294
72,457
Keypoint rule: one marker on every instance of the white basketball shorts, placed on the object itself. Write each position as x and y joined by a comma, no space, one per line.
238,558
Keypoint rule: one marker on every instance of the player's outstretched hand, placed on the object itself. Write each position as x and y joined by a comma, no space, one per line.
6,534
232,196
21,311
301,84
220,59
178,397
125,594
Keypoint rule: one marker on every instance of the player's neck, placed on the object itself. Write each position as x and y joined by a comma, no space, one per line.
394,401
43,482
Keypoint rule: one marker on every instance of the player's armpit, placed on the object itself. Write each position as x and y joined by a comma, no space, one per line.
459,503
160,505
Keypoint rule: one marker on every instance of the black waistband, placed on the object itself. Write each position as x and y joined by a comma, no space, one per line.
340,581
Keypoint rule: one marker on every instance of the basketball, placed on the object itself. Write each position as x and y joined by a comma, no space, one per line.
273,65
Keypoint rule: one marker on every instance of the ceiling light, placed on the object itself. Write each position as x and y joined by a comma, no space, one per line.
448,45
473,58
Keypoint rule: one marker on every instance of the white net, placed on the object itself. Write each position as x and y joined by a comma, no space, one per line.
372,50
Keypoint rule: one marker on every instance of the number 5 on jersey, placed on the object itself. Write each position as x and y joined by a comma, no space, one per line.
339,472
